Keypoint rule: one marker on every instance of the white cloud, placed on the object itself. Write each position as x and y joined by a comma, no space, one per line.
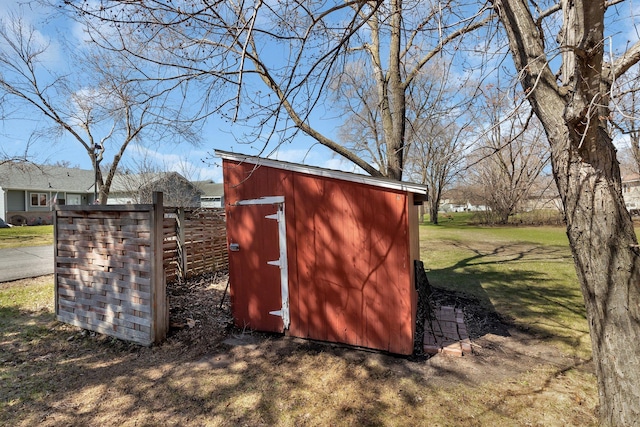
188,163
79,33
317,156
45,30
342,165
303,156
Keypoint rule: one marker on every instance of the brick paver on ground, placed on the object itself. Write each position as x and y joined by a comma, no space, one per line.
447,333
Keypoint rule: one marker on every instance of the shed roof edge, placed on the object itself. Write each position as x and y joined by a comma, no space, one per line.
322,172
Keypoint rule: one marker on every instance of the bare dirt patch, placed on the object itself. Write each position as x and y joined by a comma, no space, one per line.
54,374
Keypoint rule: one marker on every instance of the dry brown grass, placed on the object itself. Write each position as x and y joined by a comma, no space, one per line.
53,374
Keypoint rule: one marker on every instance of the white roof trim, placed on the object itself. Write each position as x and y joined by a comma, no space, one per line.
327,173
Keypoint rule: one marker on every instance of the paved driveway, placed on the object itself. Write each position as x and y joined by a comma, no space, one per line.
21,263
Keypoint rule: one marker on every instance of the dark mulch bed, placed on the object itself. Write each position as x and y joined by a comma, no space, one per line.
479,319
200,314
199,311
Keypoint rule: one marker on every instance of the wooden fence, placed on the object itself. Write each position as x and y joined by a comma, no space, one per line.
195,242
111,264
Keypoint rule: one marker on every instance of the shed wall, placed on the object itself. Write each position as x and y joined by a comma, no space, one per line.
350,255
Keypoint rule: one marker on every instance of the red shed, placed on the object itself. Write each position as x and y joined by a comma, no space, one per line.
322,254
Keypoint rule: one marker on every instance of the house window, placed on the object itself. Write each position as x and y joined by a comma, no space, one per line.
38,199
211,201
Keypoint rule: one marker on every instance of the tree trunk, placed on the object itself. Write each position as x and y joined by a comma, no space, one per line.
435,194
605,253
599,227
392,98
604,247
587,174
503,217
433,211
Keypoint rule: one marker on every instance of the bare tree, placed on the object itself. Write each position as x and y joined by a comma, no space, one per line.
625,115
435,156
118,107
226,40
294,50
434,118
139,188
139,178
511,156
438,114
13,157
7,158
65,164
573,104
361,132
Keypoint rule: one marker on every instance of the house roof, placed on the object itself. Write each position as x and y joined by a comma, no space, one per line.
632,177
125,182
31,177
27,176
327,173
210,188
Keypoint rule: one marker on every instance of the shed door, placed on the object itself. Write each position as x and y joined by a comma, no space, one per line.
257,264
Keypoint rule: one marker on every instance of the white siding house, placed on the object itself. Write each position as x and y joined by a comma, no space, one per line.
212,194
631,193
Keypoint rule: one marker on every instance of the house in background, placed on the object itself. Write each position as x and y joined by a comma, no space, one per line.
631,193
212,194
548,200
28,192
460,199
138,188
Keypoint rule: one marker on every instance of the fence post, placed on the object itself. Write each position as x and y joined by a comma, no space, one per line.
182,253
158,280
55,263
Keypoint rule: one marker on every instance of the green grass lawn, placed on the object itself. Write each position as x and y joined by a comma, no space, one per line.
54,374
525,274
36,235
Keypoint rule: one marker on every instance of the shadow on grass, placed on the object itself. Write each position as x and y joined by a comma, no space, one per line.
54,374
271,382
19,328
500,287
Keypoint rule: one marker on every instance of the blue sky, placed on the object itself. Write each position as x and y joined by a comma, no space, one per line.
196,162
